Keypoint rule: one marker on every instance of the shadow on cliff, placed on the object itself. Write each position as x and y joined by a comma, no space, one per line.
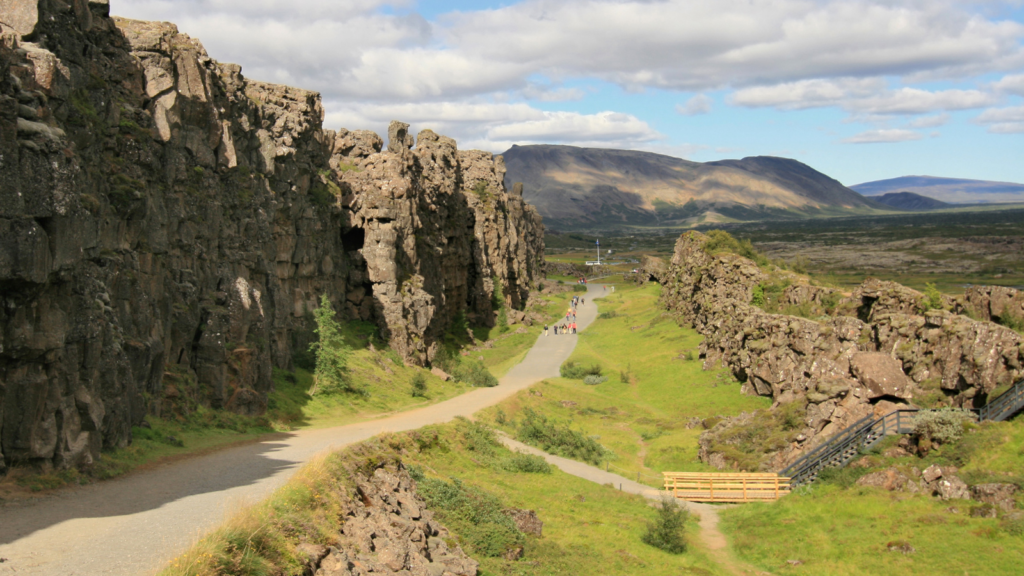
147,490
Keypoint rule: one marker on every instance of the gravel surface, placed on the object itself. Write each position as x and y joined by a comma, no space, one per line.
135,524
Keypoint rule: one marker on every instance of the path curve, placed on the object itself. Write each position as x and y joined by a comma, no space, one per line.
134,525
712,537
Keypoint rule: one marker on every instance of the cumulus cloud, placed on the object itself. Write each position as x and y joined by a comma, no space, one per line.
699,104
864,97
1012,84
1003,120
929,121
353,48
497,126
814,93
883,136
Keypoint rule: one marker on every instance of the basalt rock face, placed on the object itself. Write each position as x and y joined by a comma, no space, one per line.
167,226
995,303
841,367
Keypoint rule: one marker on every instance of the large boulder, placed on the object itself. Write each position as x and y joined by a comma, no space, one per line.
881,375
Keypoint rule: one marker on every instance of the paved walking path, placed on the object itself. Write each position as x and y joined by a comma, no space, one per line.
135,524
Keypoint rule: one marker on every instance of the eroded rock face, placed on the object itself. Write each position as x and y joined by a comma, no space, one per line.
840,368
393,533
995,303
167,226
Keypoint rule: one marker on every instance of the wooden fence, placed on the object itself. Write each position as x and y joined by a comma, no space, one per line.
740,487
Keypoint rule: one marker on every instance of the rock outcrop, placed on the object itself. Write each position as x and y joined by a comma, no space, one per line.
840,367
391,531
167,225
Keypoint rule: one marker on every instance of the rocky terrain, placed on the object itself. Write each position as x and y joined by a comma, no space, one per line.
577,188
389,530
879,348
167,226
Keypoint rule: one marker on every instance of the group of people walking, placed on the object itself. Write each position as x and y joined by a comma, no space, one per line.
569,327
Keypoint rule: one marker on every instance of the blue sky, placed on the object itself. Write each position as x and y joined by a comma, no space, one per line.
859,89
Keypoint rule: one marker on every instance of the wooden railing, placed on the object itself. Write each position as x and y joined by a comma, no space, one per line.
739,487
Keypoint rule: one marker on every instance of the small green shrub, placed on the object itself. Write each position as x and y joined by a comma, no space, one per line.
527,463
757,299
574,371
1012,322
419,385
332,354
559,439
943,426
474,373
932,297
720,241
609,315
579,288
594,380
667,531
842,477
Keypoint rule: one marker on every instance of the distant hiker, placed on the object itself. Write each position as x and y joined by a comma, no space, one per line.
573,327
545,329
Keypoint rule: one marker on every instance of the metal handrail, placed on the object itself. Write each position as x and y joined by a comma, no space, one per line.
857,433
999,408
1005,404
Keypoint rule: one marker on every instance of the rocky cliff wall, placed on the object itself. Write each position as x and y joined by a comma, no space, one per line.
167,226
839,368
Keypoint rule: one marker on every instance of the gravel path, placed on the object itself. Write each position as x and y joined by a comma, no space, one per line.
135,524
712,537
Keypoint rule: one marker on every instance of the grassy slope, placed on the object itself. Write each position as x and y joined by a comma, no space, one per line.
848,531
588,529
642,421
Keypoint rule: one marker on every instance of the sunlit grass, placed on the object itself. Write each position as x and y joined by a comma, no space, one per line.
642,420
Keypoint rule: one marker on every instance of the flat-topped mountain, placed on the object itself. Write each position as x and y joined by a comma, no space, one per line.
910,201
584,187
953,190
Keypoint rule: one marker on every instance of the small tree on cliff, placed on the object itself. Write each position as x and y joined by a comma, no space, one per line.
331,353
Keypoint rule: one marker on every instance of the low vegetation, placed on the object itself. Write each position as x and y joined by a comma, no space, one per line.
640,417
587,528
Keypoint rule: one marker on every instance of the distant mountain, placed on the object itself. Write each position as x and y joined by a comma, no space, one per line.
910,201
587,187
953,190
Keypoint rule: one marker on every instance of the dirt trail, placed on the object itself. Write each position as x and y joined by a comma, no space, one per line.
135,524
711,536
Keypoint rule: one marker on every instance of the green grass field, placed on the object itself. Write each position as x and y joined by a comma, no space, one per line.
642,420
843,532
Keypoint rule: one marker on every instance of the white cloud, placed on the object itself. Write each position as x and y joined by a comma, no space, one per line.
496,127
1007,128
1003,120
916,101
699,104
353,49
864,97
1013,84
929,121
807,93
883,136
